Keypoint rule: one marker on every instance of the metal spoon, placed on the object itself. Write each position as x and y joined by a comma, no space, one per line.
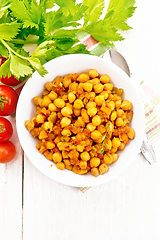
146,148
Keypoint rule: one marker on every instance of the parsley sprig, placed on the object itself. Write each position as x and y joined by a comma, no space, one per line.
102,144
56,31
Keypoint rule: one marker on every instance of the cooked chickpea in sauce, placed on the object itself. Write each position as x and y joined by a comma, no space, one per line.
81,122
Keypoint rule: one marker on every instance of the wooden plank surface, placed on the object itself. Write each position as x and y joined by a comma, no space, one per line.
11,193
126,208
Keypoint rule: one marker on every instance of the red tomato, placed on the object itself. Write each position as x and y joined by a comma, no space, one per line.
7,152
8,100
6,130
11,81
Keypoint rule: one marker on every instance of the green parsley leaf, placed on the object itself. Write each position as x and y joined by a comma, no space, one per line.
94,10
120,12
3,50
67,6
102,151
41,50
19,67
30,16
4,5
103,31
47,3
36,64
64,33
5,69
57,31
9,30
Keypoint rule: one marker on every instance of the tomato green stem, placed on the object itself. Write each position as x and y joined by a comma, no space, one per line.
2,102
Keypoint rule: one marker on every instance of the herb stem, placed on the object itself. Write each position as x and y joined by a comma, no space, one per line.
28,41
11,50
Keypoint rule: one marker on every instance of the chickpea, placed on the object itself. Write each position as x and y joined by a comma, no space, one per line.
77,112
115,157
29,125
113,116
57,157
78,104
90,127
84,77
105,78
73,86
66,81
120,112
85,156
122,146
93,73
118,104
96,120
87,87
65,97
40,118
103,168
116,142
66,111
111,105
83,164
52,107
65,122
48,86
119,92
90,104
99,100
50,145
66,162
95,135
48,155
94,162
71,97
37,101
46,101
98,88
53,117
60,165
91,111
126,105
69,105
104,94
108,86
47,126
101,128
80,148
66,132
107,159
75,115
60,103
95,172
52,95
119,122
131,133
80,122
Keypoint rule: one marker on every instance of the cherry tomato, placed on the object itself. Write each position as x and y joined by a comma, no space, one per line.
8,100
7,152
11,81
6,130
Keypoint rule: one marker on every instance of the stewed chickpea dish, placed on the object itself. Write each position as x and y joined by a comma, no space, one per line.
81,122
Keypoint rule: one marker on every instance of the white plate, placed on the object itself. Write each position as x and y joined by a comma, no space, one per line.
78,63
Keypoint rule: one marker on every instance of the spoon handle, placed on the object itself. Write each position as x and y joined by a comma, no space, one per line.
146,148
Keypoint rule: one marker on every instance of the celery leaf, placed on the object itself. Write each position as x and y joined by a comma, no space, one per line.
9,30
19,66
